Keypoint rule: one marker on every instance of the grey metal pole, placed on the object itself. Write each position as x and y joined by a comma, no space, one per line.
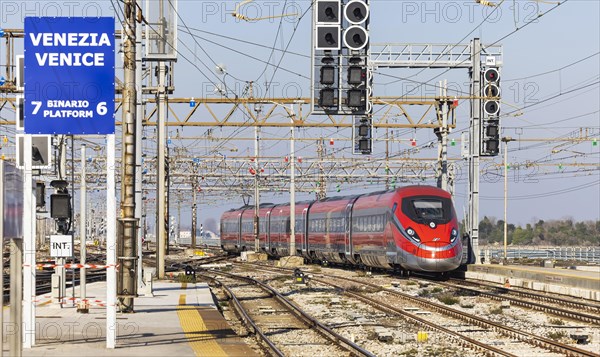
194,218
138,151
442,165
506,140
179,218
160,190
161,217
28,248
292,187
83,225
444,137
474,147
256,190
128,253
60,270
111,242
16,297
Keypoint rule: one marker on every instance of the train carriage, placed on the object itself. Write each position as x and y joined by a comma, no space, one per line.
412,228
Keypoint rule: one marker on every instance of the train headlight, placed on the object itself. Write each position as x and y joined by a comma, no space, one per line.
453,235
412,234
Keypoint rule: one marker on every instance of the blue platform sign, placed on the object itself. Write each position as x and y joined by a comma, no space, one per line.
69,75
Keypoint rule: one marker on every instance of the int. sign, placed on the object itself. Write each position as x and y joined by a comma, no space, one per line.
490,60
69,75
61,246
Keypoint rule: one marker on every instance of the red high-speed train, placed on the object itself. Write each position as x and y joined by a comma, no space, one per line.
412,228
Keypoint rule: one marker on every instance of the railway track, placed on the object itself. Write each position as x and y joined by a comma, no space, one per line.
510,332
531,294
43,285
328,341
504,295
196,263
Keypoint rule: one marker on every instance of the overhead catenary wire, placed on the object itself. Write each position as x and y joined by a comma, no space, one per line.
533,20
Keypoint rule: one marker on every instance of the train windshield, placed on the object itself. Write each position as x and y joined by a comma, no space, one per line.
427,209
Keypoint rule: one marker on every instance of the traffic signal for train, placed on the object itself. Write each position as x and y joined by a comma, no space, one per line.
328,26
60,206
357,90
491,139
491,91
340,56
327,79
491,110
362,135
356,35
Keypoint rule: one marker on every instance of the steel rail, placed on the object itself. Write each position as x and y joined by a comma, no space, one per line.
520,335
304,316
558,311
595,308
245,317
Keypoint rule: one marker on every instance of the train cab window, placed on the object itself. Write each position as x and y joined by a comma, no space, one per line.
435,209
428,209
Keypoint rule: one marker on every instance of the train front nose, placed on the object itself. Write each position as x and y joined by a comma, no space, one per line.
446,259
436,257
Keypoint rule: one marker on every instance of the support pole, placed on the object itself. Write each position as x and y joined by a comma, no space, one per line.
474,147
28,247
161,222
506,140
16,297
443,138
256,190
292,187
387,157
139,113
127,252
111,245
162,218
321,189
82,226
178,218
194,213
60,270
445,110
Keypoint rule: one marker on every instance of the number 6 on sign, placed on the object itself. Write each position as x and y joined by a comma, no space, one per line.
101,108
38,105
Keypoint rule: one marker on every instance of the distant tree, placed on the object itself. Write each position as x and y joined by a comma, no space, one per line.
520,237
554,232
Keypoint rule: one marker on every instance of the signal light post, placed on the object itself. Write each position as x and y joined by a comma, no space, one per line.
506,140
491,109
362,135
340,58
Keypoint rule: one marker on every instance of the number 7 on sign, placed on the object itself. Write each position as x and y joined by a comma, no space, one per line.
38,105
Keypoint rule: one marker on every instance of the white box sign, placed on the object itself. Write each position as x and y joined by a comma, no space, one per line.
61,246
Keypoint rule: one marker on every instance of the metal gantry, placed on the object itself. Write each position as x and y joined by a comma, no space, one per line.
428,55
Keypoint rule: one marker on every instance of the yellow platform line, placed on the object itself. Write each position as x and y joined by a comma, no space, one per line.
192,324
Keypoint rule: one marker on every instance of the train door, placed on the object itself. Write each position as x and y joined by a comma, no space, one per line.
239,232
268,231
305,232
348,230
